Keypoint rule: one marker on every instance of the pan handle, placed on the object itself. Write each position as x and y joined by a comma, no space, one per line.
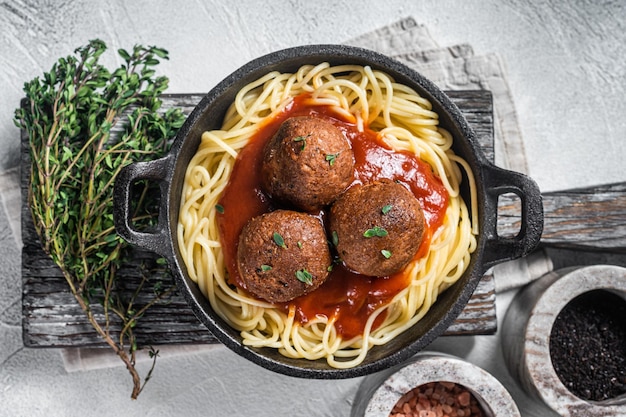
157,239
500,181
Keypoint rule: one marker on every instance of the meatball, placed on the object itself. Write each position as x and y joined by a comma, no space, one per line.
377,228
307,163
282,255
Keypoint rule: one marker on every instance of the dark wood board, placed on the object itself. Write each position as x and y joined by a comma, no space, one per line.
52,318
585,219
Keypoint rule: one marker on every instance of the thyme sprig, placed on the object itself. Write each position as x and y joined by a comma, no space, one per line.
84,123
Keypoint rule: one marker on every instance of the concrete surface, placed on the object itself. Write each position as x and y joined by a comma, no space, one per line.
566,66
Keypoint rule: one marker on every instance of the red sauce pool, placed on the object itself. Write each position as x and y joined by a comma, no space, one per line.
347,296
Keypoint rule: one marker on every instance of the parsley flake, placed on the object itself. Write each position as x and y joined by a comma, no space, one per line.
219,208
301,139
375,231
278,239
331,158
386,253
386,209
304,276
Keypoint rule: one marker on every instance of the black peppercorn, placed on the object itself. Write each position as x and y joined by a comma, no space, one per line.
588,345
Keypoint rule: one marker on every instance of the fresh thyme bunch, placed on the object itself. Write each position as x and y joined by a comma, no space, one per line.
84,123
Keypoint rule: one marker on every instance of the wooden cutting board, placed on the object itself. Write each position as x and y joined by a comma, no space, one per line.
51,317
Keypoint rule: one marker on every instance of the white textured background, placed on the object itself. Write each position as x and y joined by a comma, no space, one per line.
566,66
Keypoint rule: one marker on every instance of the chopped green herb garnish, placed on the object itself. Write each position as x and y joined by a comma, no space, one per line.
330,268
219,208
304,276
335,238
375,231
301,139
278,239
386,209
266,268
331,158
299,245
386,253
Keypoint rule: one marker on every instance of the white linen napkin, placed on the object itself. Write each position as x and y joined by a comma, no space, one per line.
455,68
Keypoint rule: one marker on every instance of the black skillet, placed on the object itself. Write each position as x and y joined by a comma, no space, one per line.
491,181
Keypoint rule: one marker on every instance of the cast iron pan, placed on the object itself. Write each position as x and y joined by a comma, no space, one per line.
492,181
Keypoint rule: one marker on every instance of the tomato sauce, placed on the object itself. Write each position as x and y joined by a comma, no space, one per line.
347,296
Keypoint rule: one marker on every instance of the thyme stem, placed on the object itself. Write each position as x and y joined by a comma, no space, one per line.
75,159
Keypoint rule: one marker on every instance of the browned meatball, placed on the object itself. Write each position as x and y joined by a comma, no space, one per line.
377,228
307,163
283,255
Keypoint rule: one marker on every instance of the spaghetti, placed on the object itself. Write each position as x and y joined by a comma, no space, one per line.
403,121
